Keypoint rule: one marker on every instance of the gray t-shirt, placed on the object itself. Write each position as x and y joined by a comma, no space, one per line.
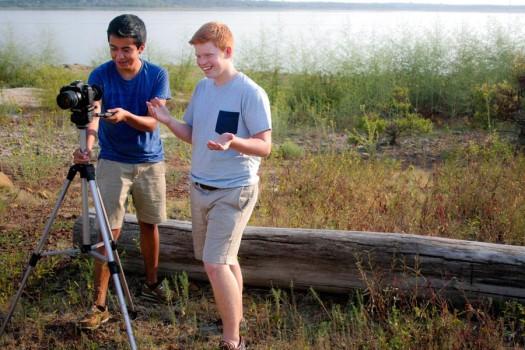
241,107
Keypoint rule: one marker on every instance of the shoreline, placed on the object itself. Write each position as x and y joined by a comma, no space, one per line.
286,7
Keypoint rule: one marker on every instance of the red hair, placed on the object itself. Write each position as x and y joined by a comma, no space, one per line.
217,33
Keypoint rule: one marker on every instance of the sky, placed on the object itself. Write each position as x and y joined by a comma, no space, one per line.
449,2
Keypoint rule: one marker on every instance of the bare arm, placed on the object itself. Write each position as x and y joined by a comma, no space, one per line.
142,123
161,113
259,144
84,156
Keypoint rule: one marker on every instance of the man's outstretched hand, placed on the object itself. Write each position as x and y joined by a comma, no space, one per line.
158,111
221,143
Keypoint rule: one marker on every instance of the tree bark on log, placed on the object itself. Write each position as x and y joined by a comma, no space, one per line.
339,261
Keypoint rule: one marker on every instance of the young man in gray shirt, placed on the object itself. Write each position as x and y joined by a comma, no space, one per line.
228,123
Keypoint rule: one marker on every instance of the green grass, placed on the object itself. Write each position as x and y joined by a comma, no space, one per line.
38,150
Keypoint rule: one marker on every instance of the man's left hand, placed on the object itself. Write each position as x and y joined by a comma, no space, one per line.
221,143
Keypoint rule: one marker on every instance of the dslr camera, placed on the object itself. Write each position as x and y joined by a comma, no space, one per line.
79,97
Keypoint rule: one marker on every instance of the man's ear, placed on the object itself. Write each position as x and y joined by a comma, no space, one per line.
141,48
228,52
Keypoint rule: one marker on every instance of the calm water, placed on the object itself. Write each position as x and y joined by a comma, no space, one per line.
263,37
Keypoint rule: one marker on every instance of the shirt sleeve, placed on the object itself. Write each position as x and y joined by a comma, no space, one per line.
95,78
162,86
188,113
256,111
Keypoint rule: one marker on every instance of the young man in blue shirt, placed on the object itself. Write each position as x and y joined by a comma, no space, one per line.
228,123
131,158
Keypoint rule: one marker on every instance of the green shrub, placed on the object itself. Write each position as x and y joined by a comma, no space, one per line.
401,119
397,118
51,78
371,127
17,65
289,150
15,68
411,123
184,76
497,101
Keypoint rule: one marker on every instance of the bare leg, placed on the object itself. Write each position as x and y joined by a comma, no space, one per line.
228,299
150,247
102,274
237,273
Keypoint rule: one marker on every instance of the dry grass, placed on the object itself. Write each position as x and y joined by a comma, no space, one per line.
465,196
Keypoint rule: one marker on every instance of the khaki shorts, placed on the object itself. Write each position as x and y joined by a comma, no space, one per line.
219,218
146,182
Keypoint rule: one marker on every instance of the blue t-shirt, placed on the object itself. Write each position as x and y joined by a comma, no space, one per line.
121,142
240,107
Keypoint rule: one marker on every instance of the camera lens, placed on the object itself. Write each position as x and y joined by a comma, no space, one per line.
68,99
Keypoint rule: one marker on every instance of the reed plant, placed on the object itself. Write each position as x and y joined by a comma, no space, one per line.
440,70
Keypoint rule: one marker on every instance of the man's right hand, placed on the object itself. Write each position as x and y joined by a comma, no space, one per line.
158,111
81,157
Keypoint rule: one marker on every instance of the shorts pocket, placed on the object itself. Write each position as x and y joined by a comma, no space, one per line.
245,195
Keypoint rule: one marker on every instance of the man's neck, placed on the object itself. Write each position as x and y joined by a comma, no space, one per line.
130,73
226,76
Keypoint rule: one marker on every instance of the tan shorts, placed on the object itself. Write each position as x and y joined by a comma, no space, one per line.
219,218
146,182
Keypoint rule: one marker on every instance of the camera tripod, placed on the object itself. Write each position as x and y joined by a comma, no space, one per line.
87,175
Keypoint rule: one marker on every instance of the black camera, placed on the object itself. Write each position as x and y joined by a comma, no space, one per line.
80,98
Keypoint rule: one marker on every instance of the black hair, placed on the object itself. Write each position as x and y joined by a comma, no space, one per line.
128,26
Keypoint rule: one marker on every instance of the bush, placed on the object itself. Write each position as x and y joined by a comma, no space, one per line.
15,70
372,126
497,101
398,117
289,150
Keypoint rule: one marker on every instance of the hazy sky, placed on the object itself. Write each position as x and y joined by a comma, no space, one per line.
451,2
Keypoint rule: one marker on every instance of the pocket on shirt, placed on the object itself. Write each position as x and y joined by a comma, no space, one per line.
227,122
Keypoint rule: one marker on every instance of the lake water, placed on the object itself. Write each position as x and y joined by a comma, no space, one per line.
262,37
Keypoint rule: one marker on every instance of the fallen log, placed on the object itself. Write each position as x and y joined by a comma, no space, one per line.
339,261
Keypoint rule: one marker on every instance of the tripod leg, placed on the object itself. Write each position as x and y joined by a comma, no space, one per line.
113,267
37,253
123,281
86,239
125,287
